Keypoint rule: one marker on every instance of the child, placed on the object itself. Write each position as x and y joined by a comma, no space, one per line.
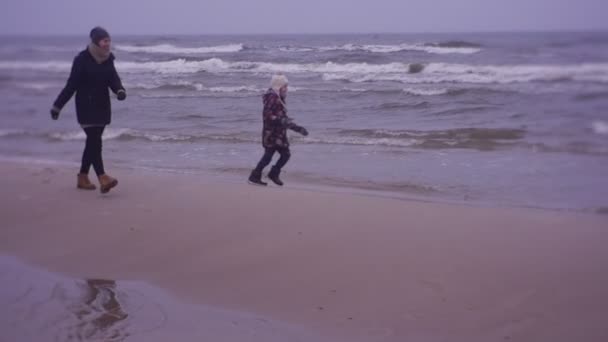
274,133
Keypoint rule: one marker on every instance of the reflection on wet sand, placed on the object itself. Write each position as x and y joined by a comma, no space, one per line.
100,313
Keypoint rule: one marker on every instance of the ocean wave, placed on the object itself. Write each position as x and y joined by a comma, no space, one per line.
9,133
359,72
217,65
53,49
296,49
425,91
471,138
592,96
478,139
28,49
172,49
357,141
38,66
193,117
434,48
576,148
128,134
109,134
437,144
519,73
168,85
400,105
38,86
456,44
466,133
475,138
238,89
172,95
481,74
195,86
463,110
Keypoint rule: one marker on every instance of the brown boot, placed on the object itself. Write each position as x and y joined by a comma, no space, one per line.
106,183
84,182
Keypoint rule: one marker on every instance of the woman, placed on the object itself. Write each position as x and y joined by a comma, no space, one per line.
93,72
274,133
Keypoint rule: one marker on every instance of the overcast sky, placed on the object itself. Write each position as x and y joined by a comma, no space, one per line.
302,16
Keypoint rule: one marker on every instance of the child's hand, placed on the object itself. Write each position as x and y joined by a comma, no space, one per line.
54,113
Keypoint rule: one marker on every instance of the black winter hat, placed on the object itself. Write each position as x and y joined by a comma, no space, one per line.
98,33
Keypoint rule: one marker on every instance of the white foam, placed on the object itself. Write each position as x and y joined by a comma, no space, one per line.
600,127
354,90
146,86
45,66
37,86
328,67
199,87
425,91
160,138
217,65
113,133
67,136
58,48
517,73
10,132
237,89
403,47
358,72
172,49
108,134
160,84
463,73
361,141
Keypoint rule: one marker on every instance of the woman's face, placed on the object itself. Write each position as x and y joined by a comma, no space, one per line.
283,91
105,44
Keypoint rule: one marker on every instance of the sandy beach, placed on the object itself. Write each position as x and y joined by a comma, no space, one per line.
344,267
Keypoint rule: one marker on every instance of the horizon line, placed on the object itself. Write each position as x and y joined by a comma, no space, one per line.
25,34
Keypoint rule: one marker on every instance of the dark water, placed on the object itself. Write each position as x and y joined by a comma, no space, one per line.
517,119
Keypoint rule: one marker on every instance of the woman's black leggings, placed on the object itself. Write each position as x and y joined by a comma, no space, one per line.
92,151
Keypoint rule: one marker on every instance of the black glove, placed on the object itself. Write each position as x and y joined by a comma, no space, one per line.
54,113
121,95
303,131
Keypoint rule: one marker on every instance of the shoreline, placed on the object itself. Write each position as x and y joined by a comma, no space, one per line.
344,266
300,183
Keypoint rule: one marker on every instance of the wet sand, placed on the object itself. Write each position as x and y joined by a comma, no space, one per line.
41,306
318,265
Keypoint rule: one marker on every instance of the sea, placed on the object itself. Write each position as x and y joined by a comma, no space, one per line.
487,119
